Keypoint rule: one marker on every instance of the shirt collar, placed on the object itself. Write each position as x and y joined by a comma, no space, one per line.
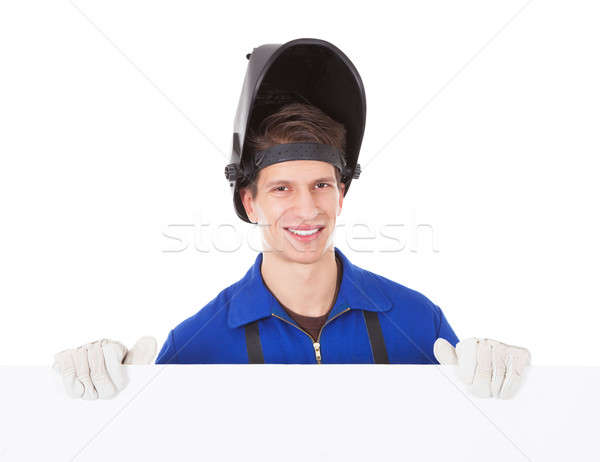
251,300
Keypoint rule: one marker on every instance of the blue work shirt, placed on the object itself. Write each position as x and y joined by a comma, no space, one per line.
410,324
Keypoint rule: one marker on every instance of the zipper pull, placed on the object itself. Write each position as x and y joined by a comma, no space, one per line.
317,347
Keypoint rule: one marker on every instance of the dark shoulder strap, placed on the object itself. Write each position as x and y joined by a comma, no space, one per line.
380,355
255,354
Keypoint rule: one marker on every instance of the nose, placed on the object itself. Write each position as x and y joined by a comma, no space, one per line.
306,206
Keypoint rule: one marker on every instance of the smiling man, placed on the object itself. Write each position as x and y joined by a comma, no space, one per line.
297,137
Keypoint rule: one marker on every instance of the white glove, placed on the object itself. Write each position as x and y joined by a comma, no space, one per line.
492,368
94,370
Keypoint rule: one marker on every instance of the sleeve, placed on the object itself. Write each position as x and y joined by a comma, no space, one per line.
443,328
168,352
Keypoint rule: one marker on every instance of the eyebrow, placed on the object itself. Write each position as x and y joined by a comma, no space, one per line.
329,179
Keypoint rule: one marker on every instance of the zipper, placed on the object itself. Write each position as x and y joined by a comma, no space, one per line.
317,344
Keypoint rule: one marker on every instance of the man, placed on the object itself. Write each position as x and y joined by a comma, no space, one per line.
297,138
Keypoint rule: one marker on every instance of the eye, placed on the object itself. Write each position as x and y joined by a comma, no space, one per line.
278,188
326,184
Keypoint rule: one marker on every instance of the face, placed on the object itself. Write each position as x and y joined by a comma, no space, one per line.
296,206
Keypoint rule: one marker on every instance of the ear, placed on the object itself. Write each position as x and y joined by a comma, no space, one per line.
246,197
341,198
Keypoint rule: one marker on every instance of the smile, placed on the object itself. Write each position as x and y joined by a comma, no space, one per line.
305,234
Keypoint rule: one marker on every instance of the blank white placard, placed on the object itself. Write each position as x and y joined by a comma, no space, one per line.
300,413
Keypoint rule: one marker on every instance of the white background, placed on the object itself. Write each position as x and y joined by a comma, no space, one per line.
115,124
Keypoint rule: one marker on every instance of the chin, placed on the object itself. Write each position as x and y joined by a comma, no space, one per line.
305,253
308,256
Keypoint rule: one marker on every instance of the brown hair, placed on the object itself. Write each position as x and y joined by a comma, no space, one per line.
293,123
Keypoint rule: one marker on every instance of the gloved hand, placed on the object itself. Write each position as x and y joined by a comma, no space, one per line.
492,368
94,370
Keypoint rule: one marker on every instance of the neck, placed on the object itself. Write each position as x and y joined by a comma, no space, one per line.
305,288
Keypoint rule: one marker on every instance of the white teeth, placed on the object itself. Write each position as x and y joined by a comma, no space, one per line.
303,232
